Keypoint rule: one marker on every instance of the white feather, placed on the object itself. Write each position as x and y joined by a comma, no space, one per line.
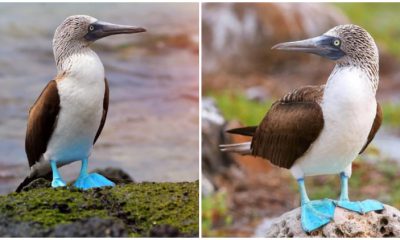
81,100
349,109
242,148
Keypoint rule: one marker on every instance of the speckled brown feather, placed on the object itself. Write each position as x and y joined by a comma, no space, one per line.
41,122
291,125
375,126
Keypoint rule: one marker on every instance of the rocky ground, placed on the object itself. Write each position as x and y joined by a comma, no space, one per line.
145,209
382,223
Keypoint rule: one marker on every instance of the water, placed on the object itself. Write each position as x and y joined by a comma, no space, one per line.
152,126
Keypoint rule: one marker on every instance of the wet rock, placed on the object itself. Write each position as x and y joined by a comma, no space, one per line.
164,231
116,175
92,227
11,228
132,209
385,223
37,183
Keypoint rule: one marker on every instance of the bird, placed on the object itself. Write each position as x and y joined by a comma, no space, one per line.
68,117
320,130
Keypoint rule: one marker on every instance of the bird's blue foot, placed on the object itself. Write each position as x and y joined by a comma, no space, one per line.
317,213
58,182
57,179
360,206
93,180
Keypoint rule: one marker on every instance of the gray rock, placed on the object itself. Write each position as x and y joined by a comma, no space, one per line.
384,223
92,227
214,162
116,175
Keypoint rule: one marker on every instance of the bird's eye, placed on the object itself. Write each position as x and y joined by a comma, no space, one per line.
91,28
336,42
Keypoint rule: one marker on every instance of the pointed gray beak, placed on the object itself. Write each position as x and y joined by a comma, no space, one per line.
322,46
101,29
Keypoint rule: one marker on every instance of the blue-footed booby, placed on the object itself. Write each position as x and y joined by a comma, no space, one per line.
317,130
69,115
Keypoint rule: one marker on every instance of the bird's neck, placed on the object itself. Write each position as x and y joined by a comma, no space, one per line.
368,70
81,64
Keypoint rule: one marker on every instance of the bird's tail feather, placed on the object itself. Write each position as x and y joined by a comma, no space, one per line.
245,131
242,148
24,183
30,179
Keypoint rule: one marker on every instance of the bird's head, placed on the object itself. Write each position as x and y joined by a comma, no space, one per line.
347,44
76,33
84,29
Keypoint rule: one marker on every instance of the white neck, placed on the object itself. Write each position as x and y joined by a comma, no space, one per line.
84,65
352,79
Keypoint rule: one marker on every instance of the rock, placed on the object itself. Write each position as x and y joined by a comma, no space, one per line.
116,175
133,209
92,227
385,223
37,183
164,231
214,162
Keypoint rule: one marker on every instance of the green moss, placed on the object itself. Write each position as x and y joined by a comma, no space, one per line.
140,206
150,204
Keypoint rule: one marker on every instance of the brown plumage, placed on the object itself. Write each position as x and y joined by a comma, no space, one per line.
42,121
105,110
375,126
280,139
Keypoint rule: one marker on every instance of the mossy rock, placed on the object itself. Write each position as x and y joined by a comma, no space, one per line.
136,209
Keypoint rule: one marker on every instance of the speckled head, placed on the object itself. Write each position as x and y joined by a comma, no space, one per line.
349,45
79,31
355,42
346,44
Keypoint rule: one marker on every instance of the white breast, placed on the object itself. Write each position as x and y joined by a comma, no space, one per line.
81,99
349,109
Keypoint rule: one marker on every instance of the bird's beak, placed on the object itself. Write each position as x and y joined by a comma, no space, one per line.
322,46
101,29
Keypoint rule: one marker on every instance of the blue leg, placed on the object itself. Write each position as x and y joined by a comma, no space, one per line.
314,214
57,179
360,207
93,180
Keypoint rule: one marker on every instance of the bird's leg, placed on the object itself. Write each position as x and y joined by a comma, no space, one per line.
57,179
314,214
360,207
92,180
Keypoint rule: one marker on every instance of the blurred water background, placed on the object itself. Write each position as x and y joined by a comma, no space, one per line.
152,126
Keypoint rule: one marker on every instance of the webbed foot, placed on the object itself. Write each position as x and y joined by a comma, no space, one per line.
317,213
93,180
58,182
360,206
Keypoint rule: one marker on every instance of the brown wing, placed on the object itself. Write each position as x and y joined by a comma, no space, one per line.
290,127
41,122
375,126
105,110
